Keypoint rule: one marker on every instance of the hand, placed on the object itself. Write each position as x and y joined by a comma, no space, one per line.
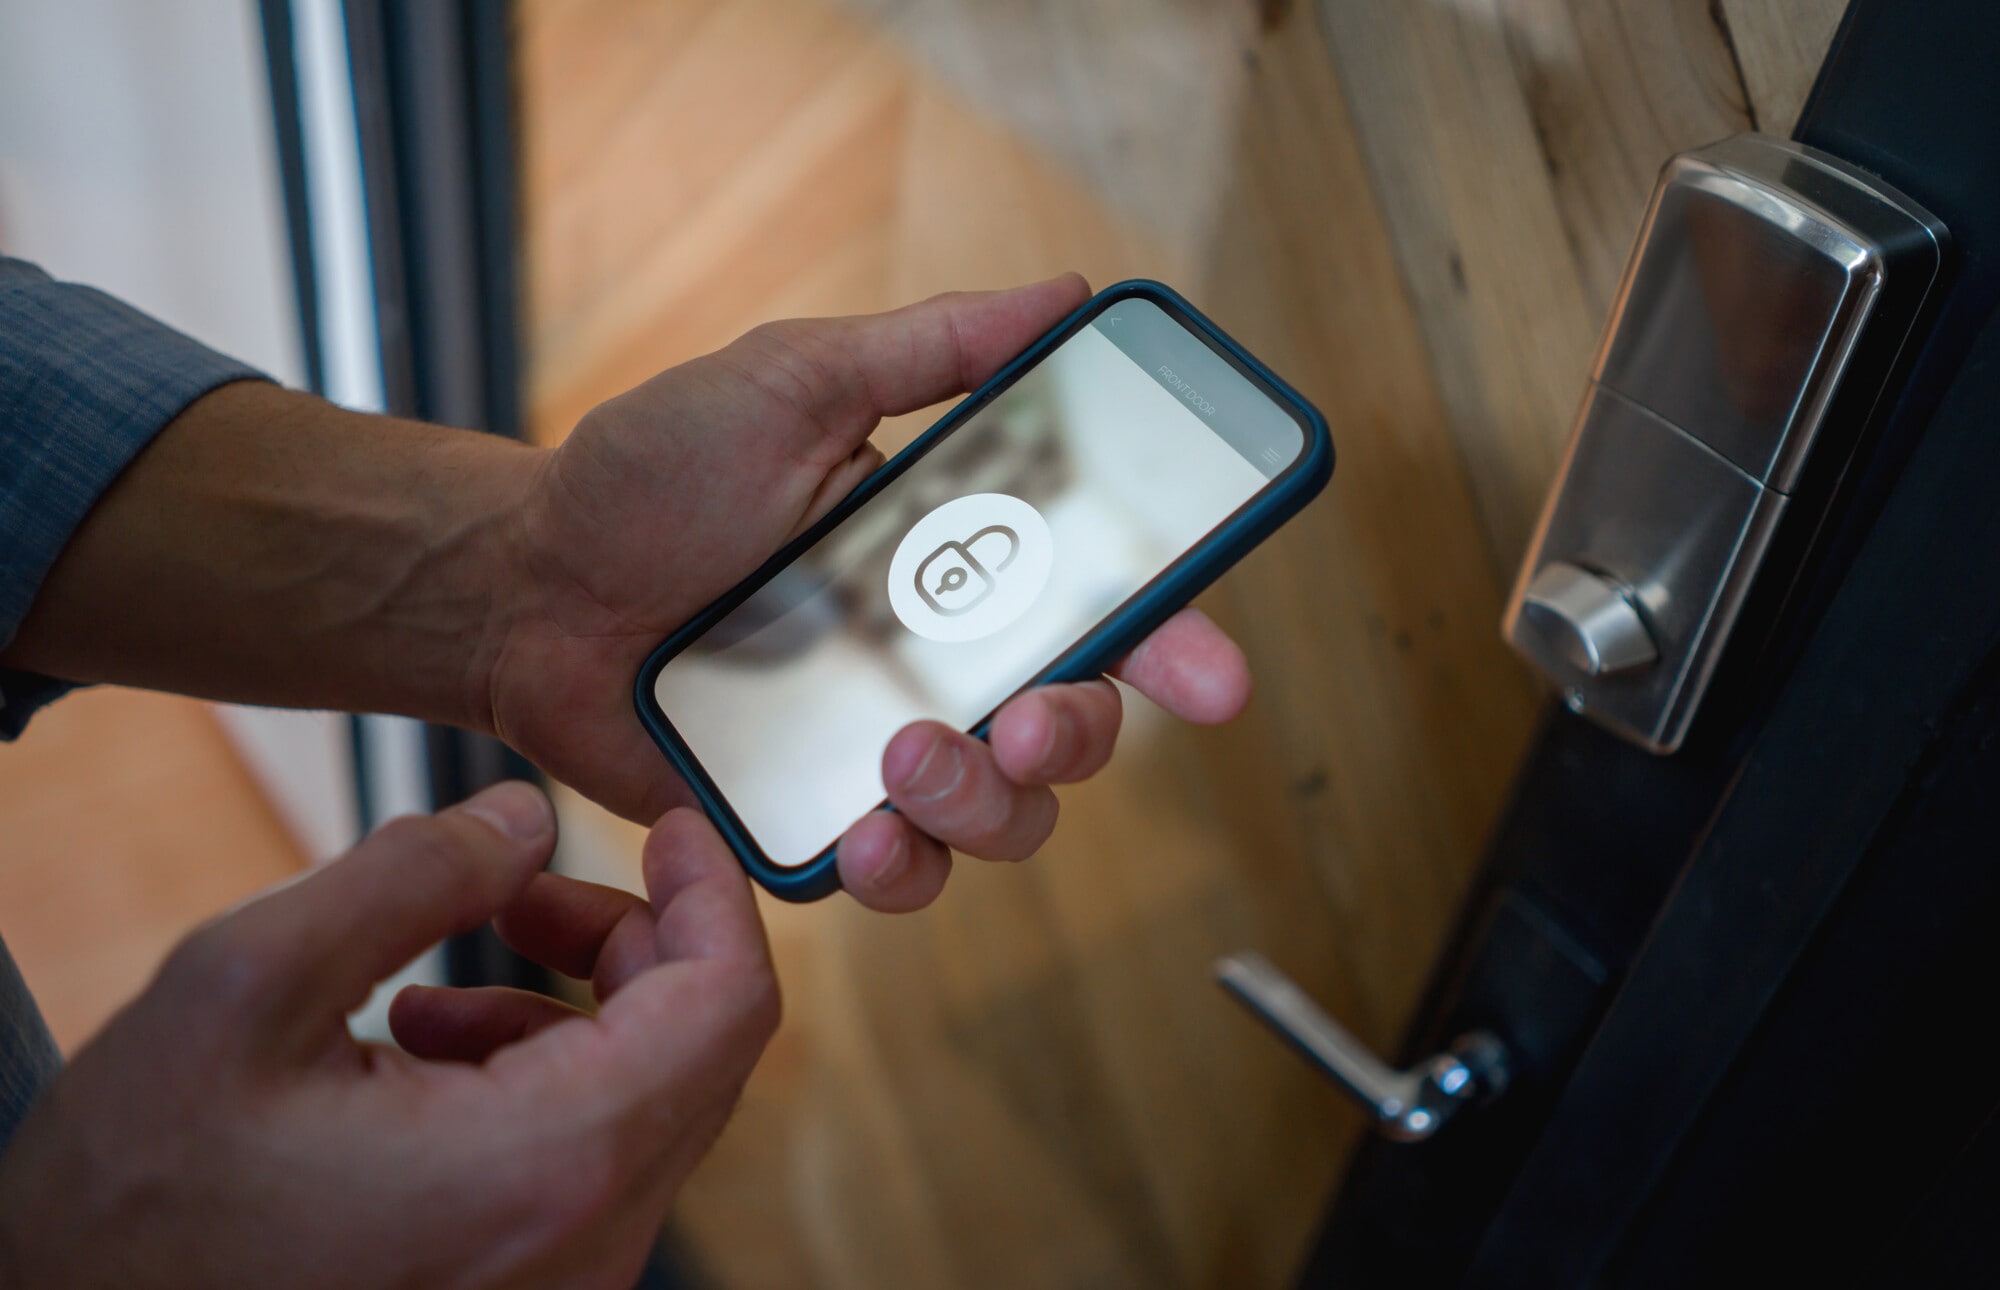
270,548
226,1130
665,497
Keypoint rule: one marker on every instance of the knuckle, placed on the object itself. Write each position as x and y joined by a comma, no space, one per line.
434,851
797,361
785,347
748,1004
1025,821
775,333
440,859
985,813
1091,713
415,834
221,966
595,1178
602,1178
760,1003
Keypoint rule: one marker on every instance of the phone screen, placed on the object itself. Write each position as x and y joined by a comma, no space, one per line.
1048,508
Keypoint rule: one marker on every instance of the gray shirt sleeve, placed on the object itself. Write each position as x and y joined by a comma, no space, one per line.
85,383
28,1057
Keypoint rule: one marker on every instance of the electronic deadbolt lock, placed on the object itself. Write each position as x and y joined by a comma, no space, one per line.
1763,311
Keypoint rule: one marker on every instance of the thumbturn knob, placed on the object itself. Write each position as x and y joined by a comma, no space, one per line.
1589,620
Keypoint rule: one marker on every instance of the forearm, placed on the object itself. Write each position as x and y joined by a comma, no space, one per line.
271,548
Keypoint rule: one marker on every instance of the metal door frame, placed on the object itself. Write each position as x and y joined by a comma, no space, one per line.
432,103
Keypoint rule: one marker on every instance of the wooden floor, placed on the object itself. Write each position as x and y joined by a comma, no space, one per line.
1416,212
125,819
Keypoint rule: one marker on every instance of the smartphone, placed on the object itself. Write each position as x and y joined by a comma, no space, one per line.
1036,534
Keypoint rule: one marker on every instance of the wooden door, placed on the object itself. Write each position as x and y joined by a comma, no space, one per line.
1729,978
1416,212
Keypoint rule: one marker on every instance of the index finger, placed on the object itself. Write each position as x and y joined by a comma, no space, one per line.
691,1024
700,895
1190,667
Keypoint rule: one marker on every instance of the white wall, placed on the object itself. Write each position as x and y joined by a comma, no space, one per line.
137,154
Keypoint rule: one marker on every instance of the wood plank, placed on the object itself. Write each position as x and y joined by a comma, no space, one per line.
1479,235
1779,46
1512,146
1779,51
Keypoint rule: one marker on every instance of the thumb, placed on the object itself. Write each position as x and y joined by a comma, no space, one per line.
936,349
861,368
301,958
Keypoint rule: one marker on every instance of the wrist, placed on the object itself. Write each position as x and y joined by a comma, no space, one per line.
449,600
270,548
496,563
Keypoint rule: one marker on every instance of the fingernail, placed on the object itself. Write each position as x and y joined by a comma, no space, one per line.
1058,724
942,767
516,809
891,866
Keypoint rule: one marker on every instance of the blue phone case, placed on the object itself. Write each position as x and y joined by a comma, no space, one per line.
1110,640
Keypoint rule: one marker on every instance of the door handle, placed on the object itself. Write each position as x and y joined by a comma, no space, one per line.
1408,1106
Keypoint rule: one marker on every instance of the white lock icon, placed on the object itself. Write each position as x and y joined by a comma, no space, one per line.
970,567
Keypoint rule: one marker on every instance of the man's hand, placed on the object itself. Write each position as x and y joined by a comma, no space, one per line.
271,548
665,497
225,1130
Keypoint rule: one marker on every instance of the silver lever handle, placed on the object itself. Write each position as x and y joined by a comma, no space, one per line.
1408,1106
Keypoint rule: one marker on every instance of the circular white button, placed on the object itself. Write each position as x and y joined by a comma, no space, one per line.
970,567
